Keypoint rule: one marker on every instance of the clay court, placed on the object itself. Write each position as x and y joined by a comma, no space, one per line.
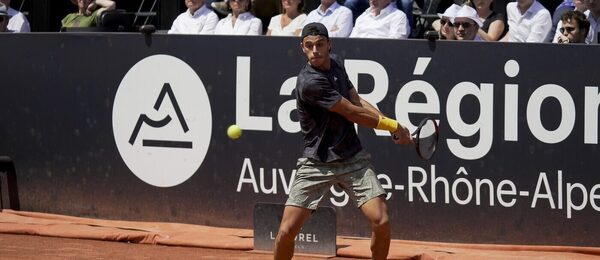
31,235
38,247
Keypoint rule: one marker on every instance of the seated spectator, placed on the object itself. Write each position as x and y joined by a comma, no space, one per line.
261,9
574,28
336,18
359,6
18,22
259,6
381,20
89,13
290,22
593,16
466,24
566,5
444,24
240,21
3,18
197,19
528,21
493,28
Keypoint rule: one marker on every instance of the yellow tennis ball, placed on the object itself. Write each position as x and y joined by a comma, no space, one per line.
234,132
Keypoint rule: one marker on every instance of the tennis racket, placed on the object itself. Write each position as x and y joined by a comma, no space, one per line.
426,138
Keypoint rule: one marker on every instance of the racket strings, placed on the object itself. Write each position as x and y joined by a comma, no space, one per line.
427,139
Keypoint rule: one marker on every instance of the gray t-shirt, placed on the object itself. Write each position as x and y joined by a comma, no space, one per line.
328,136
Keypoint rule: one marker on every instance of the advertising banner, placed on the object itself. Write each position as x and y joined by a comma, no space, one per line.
127,126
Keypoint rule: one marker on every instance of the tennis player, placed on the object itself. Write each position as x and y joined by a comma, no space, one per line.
328,106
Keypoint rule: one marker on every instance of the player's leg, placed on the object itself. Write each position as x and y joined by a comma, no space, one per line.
291,223
360,181
312,181
376,211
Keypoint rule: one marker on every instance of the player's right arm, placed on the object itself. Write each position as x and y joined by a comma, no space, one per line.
318,92
355,113
369,118
358,101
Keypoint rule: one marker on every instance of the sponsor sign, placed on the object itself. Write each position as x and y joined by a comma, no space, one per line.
140,133
317,235
162,120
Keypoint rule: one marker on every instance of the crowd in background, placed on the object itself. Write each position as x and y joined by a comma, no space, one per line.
573,21
12,20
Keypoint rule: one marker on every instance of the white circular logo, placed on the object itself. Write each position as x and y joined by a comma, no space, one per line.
162,120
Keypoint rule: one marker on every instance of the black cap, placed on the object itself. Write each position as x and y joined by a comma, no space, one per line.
314,29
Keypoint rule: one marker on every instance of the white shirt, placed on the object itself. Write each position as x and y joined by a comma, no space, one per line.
337,19
203,21
246,24
18,22
290,29
391,23
532,26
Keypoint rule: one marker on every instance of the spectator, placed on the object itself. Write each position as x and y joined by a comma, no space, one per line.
493,28
336,18
444,24
240,21
18,22
359,6
3,18
197,19
89,13
290,22
261,9
593,16
466,24
528,21
381,20
574,28
566,5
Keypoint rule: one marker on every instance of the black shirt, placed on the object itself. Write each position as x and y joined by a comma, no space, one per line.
492,18
328,136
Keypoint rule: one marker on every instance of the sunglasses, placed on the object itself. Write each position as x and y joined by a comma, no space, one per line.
465,25
445,21
568,29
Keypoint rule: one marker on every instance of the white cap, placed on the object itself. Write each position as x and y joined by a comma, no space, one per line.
3,10
450,12
468,12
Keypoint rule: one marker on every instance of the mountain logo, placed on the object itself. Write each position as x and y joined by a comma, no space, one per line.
162,120
144,119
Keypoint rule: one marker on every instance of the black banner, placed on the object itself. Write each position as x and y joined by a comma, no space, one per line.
127,126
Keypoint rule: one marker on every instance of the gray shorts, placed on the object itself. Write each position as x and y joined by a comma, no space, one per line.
314,179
